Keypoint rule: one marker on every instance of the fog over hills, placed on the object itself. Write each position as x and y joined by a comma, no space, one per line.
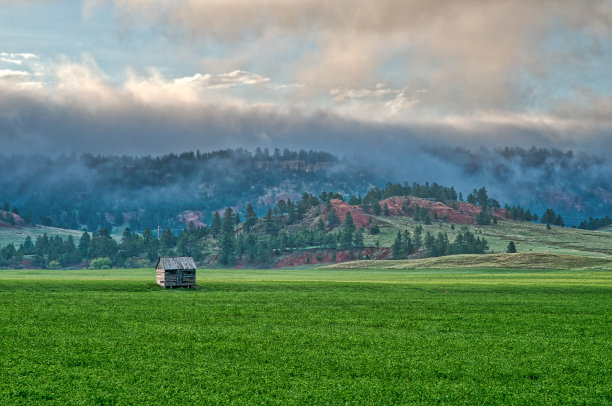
95,190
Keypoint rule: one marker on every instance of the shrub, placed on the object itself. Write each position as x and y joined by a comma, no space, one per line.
101,263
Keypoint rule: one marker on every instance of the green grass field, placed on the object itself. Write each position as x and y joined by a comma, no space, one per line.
320,336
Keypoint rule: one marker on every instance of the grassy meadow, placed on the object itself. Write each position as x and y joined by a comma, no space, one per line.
322,336
528,237
18,235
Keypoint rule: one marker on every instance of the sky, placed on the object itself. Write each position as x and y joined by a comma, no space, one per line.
158,76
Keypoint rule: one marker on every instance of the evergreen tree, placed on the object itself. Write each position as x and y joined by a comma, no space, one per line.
320,224
167,243
349,224
511,248
483,218
483,198
268,222
332,218
397,249
102,245
215,225
228,221
28,246
70,254
418,232
250,218
358,239
153,250
377,209
126,238
147,237
407,243
84,242
228,243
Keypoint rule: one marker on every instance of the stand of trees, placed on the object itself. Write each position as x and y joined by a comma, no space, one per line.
551,218
465,242
595,223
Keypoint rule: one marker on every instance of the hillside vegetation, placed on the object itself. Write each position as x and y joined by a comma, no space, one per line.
423,221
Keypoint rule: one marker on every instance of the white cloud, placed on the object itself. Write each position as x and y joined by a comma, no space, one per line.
16,58
234,78
344,95
400,104
13,74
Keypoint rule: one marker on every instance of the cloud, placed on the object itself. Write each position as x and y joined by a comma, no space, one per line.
471,54
343,95
16,58
234,78
83,111
13,74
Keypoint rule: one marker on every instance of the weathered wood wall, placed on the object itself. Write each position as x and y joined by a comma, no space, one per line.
176,278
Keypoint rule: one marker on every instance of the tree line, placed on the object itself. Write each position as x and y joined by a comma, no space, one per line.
288,226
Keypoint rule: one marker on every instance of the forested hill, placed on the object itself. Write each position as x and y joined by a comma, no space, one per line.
173,190
102,191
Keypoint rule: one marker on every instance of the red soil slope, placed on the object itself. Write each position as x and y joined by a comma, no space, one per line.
4,220
461,213
360,218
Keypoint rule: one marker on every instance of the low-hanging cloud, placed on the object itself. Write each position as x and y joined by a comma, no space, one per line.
85,112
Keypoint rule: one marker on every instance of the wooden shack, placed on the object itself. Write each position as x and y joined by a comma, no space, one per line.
175,272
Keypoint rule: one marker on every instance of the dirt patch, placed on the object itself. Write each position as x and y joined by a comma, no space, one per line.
318,256
454,212
193,216
5,222
360,218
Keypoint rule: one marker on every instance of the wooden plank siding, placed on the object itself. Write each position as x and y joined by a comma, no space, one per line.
179,274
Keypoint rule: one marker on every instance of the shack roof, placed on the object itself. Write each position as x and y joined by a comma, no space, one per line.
173,263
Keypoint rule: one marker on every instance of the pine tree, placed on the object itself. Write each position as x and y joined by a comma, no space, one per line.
215,225
407,243
84,242
320,224
332,218
511,248
397,247
228,242
167,242
483,218
147,237
358,239
269,223
28,246
250,219
418,232
349,224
